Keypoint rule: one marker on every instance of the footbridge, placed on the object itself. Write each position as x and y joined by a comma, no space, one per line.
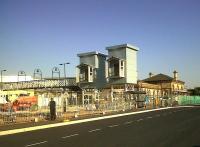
68,83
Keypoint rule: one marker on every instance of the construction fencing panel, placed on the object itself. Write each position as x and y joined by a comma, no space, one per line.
41,112
189,100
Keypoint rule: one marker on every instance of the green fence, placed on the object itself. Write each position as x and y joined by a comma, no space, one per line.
189,100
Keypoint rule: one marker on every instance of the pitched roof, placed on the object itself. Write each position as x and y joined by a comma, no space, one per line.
160,78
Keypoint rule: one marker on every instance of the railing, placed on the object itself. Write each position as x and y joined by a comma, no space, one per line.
98,109
36,84
189,100
9,116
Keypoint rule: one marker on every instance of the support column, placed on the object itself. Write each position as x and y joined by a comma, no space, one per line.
111,93
82,97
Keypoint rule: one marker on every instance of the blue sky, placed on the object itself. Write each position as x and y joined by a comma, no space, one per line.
43,33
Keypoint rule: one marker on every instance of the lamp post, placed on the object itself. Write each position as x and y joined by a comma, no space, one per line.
64,103
56,70
2,77
37,72
64,70
21,73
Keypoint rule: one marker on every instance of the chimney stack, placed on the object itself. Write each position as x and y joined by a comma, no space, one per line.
150,74
175,75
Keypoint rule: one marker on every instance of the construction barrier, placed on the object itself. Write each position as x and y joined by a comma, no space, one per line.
37,113
189,100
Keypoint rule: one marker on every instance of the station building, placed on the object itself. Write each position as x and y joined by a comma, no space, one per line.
114,77
107,77
101,77
162,85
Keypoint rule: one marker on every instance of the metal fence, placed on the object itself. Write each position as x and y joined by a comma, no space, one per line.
189,100
42,113
37,84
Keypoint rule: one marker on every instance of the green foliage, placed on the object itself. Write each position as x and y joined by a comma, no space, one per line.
197,91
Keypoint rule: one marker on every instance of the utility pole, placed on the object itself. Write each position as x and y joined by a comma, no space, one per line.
2,78
64,71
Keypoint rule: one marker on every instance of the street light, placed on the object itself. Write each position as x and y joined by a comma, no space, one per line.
37,72
21,73
64,70
55,70
2,77
64,103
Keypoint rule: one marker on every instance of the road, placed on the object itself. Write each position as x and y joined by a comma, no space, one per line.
177,127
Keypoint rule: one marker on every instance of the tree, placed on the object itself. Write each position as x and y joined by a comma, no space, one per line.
197,91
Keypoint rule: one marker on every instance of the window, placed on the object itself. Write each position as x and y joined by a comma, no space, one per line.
87,99
91,71
121,68
122,64
113,68
116,68
83,74
90,76
95,73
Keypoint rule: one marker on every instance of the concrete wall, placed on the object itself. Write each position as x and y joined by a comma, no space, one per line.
90,60
16,78
130,58
98,63
177,86
131,66
166,85
101,79
119,53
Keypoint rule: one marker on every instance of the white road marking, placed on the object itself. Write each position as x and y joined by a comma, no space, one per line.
139,120
36,143
149,117
70,136
94,130
7,132
128,122
113,126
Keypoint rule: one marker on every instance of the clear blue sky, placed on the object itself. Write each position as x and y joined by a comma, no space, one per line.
43,33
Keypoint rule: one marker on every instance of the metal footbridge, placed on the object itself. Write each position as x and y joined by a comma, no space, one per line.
40,84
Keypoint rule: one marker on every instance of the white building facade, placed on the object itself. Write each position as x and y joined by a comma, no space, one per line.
122,64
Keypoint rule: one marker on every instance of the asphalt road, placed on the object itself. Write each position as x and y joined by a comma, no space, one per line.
178,127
